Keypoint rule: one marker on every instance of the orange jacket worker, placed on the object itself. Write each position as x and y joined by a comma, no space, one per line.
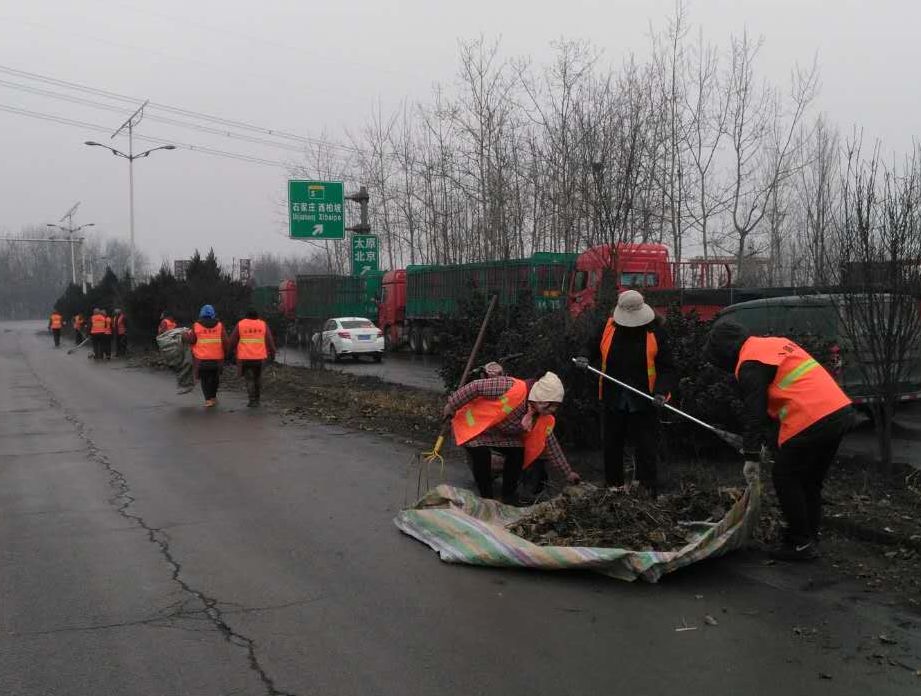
793,406
512,417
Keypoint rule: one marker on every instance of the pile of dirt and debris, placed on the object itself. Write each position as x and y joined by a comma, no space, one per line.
624,518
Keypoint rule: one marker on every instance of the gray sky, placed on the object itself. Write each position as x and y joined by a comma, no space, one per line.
314,68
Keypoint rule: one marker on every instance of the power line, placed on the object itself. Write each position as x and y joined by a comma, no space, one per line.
104,129
158,119
241,125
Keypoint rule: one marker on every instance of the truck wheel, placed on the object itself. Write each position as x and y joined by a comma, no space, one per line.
428,341
388,339
415,340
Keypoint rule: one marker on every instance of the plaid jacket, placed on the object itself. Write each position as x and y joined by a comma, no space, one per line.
507,433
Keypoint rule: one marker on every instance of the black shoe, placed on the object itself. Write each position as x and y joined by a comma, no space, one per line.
791,551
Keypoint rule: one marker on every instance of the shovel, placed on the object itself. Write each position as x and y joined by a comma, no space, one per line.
731,439
424,460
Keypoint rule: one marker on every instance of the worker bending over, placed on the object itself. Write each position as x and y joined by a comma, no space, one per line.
792,406
513,417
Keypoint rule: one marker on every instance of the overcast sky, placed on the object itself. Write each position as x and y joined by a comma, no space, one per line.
315,68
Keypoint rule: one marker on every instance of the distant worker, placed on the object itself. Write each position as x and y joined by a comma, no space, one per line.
794,407
55,324
254,343
634,349
97,332
79,324
209,346
503,414
107,336
120,325
167,323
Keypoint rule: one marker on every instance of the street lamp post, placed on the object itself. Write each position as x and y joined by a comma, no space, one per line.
132,121
71,230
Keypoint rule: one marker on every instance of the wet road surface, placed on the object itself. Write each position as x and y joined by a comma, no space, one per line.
420,371
153,547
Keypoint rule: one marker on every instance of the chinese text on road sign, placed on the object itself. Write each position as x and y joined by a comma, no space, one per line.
365,254
315,210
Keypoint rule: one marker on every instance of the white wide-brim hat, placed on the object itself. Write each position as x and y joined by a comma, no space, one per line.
632,310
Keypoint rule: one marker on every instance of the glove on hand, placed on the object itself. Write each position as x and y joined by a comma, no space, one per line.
660,400
751,471
581,362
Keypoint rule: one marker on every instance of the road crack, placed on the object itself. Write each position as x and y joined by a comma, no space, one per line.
122,500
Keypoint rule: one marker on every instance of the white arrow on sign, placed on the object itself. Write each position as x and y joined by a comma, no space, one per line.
317,230
365,269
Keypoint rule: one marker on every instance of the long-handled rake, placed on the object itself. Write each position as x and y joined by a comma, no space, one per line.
424,460
733,440
70,351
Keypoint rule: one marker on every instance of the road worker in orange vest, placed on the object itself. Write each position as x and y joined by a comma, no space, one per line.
55,324
254,344
120,327
634,349
793,408
209,346
516,419
167,323
79,323
97,332
107,336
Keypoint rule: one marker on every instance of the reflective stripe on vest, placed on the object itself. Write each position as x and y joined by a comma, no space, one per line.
56,321
98,325
652,350
802,392
480,414
535,441
208,344
252,340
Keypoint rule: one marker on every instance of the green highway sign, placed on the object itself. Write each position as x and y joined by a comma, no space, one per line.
365,254
316,210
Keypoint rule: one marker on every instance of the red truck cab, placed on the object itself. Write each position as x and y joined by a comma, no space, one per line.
391,312
636,266
287,299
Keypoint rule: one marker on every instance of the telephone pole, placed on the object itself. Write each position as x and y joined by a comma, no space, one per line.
70,230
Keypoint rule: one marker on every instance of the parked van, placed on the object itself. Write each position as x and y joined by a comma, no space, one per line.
817,316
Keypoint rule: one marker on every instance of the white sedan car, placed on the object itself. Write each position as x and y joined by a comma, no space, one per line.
354,336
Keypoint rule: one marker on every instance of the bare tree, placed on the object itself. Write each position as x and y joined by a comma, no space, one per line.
761,132
817,190
876,252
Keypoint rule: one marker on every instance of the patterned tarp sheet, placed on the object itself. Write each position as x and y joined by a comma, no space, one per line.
464,528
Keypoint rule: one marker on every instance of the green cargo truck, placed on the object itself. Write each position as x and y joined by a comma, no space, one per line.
321,297
434,292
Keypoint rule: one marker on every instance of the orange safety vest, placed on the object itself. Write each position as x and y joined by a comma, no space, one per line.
652,350
536,441
108,326
208,344
802,392
56,321
480,414
120,325
98,325
252,340
78,322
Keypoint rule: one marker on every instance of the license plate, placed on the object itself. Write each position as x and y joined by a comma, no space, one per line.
364,337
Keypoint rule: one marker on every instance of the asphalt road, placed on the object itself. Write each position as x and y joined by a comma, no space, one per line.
420,371
152,547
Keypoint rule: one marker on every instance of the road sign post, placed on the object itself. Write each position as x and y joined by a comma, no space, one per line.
315,210
365,254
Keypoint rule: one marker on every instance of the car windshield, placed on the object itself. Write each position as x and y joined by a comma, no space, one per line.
357,324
